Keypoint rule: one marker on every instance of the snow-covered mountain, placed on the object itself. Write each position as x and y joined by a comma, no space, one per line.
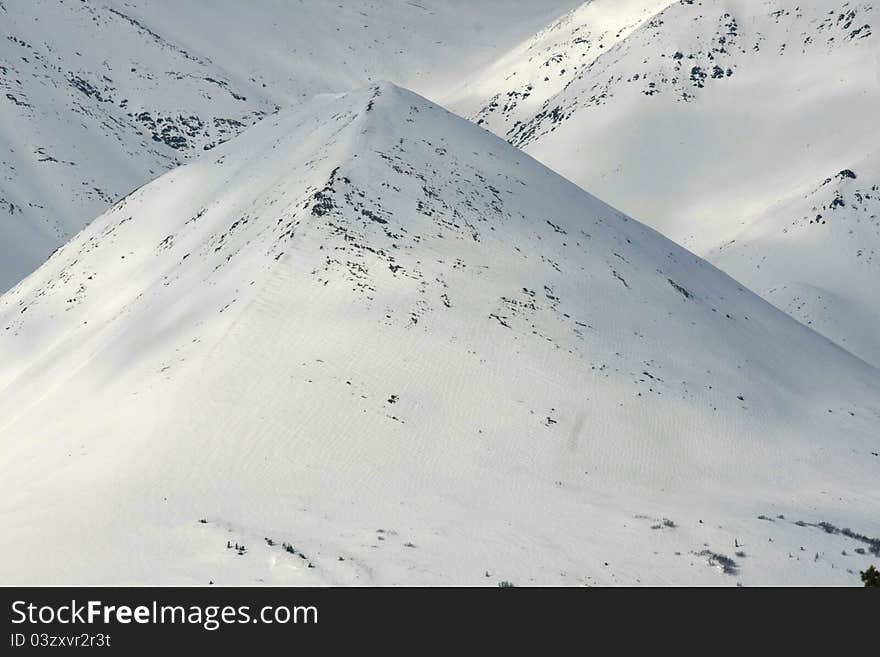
699,118
97,97
521,83
369,342
816,255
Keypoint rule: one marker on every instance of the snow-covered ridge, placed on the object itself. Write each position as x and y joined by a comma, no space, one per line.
635,50
97,97
372,330
546,64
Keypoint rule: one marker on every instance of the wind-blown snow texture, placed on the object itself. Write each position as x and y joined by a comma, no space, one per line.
98,97
699,117
374,333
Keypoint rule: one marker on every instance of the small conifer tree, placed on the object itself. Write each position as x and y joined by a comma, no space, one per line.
871,577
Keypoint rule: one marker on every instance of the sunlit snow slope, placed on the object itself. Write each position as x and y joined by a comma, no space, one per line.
97,97
376,334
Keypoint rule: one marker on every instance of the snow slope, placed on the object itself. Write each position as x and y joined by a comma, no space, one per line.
370,342
98,97
816,255
520,83
700,118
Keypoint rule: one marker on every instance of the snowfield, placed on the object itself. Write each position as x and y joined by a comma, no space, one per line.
368,342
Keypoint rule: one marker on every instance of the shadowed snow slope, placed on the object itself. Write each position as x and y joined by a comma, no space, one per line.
375,332
98,97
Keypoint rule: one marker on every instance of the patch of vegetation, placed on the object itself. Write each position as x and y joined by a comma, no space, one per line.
871,577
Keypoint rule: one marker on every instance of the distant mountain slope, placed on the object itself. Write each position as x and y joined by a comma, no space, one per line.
702,113
369,342
520,83
817,256
98,97
700,118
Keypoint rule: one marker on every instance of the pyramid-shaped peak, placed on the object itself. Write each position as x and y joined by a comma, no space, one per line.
385,316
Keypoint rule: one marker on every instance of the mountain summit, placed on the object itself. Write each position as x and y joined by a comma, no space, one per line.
98,97
369,342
